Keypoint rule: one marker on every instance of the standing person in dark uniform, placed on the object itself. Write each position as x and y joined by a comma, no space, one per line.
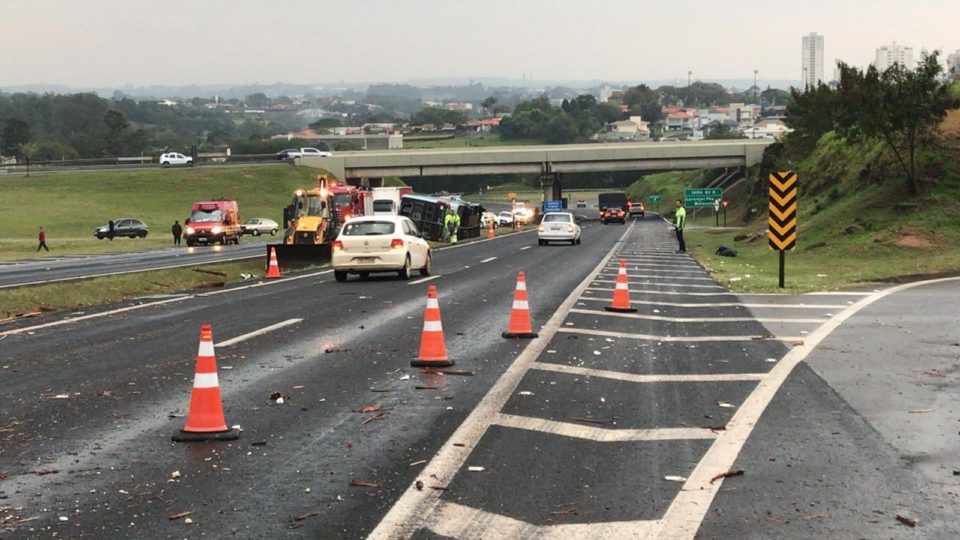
678,222
42,237
177,232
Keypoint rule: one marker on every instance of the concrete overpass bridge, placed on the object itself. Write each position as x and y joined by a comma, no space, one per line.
548,161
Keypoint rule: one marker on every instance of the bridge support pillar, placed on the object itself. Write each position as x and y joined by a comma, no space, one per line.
550,184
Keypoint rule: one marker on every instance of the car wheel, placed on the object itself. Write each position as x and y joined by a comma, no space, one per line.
142,234
405,271
573,242
578,240
364,276
189,243
256,232
427,266
339,275
273,232
165,164
111,238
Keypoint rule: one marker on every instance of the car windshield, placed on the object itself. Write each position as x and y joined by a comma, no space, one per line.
341,199
307,205
506,214
565,218
200,216
368,228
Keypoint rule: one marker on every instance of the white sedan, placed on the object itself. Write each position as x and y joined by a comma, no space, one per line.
379,244
558,227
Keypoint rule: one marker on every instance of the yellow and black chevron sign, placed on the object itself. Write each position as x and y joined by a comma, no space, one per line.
782,228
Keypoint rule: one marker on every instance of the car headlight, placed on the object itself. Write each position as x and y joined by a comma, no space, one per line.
190,230
216,230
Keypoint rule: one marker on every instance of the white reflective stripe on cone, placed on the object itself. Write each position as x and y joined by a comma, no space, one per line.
432,303
621,285
520,304
205,380
521,285
432,326
206,348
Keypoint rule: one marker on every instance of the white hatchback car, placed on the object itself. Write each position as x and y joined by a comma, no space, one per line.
380,244
174,158
258,226
558,227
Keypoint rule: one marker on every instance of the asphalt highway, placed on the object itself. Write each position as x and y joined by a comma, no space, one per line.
609,425
56,269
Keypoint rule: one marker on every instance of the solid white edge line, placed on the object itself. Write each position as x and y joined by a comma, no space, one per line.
259,332
415,508
72,320
687,511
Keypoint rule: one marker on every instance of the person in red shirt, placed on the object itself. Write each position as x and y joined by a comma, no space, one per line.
42,236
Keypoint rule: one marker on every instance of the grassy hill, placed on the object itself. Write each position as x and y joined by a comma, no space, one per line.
858,226
69,206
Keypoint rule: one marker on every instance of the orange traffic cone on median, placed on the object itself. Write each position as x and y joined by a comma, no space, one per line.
273,269
490,233
519,326
621,294
205,421
433,348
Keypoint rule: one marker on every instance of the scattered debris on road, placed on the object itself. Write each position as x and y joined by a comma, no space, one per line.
180,515
727,474
476,468
920,411
589,420
908,521
420,462
766,335
565,509
419,485
674,478
297,522
363,483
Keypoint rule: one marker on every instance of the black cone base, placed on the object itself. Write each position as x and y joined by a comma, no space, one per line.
520,335
431,363
620,309
192,436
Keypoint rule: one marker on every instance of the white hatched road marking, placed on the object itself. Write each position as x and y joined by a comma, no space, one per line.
525,248
449,459
630,377
424,280
644,291
674,339
694,319
259,332
668,285
659,276
488,259
725,304
599,434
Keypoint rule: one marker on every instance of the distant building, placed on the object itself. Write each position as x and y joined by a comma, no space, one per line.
605,92
767,128
633,129
167,102
953,64
888,55
812,60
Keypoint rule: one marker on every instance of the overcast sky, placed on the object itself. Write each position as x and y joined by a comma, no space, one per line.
176,42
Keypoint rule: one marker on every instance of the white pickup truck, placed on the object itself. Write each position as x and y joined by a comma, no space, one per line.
292,153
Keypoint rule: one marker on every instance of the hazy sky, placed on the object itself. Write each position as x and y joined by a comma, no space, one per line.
176,42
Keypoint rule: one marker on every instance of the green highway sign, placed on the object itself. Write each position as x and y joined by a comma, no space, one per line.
701,197
653,198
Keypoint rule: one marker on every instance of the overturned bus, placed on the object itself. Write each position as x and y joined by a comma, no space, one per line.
428,212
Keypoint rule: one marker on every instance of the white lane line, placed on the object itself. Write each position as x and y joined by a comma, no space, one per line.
836,293
630,377
525,247
675,339
687,511
72,320
598,434
488,260
454,520
123,272
722,304
424,280
657,276
259,332
415,506
646,291
664,284
695,319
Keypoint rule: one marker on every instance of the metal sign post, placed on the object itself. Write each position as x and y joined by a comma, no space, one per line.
782,223
725,203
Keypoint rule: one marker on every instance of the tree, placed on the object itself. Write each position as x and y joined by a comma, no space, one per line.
15,133
258,99
901,107
811,114
645,102
488,104
116,124
324,124
439,117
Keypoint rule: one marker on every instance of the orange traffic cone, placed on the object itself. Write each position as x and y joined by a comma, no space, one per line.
433,348
490,233
273,270
519,326
621,295
205,421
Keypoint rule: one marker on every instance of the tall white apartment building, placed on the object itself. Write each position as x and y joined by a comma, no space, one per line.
812,60
889,55
953,64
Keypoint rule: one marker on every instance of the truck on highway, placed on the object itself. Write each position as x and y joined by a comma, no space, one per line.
213,221
616,199
383,200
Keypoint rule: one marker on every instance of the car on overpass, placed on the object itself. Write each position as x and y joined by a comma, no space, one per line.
291,153
369,244
558,227
175,158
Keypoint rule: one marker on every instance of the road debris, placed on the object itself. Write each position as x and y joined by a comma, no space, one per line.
476,468
766,335
920,411
425,387
44,472
363,483
727,474
188,521
726,405
370,409
908,521
420,462
419,485
674,478
297,522
175,475
565,509
180,515
378,416
405,377
525,393
589,420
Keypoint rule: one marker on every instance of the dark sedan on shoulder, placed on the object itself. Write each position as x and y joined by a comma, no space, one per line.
128,227
613,214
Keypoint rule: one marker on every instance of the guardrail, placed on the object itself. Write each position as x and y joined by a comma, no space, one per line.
28,167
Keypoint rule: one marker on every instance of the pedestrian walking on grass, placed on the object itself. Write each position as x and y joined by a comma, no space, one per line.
679,220
177,232
42,237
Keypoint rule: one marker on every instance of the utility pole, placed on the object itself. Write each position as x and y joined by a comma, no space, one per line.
755,100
